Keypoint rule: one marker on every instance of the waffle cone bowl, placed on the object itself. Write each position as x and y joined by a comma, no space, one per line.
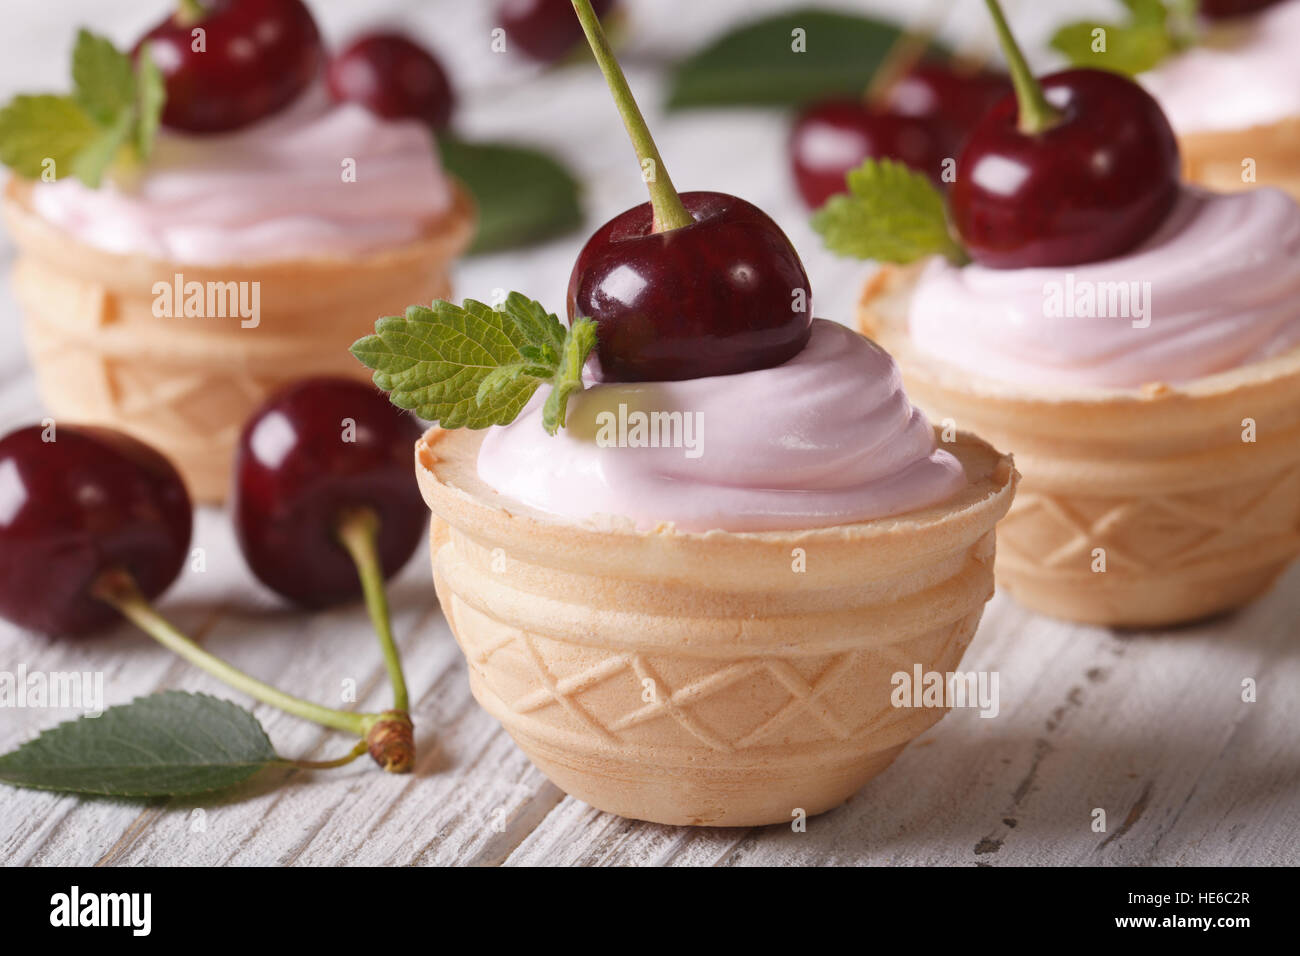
186,385
1189,518
698,678
1214,159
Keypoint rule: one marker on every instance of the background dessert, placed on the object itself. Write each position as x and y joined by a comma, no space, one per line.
169,297
1232,100
1133,721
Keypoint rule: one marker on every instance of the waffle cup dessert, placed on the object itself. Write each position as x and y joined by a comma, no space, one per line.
1214,158
1133,340
1192,519
196,227
1232,100
186,385
694,678
674,632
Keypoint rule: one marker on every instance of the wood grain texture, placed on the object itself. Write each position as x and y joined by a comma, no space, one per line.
1149,727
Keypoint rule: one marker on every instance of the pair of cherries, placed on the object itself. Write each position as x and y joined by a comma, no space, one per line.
258,56
1077,167
921,119
94,500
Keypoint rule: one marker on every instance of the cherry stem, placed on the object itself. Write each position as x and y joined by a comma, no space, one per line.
343,761
669,211
189,12
119,589
358,532
1036,114
903,54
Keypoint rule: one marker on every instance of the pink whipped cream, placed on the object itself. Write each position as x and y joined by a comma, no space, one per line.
1246,73
1216,287
274,190
827,438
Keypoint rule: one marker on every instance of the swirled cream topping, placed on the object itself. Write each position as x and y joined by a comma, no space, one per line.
1216,287
827,438
315,180
1246,73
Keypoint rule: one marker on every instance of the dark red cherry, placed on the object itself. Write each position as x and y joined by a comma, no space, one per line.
833,137
393,77
946,93
1090,187
90,500
725,294
232,62
309,455
545,30
1227,9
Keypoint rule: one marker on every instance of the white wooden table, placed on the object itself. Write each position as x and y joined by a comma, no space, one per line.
1149,726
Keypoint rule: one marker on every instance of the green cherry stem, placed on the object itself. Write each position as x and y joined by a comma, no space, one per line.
903,54
343,761
669,212
1036,114
387,736
358,530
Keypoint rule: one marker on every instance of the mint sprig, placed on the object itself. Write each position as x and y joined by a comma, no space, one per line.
891,214
472,366
112,115
1155,29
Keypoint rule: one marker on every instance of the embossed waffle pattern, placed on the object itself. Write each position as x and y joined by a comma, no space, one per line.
1157,533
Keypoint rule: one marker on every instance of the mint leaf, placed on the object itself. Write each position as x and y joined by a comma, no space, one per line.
96,156
102,79
150,97
1129,50
568,377
36,128
167,744
472,366
891,214
114,106
1154,31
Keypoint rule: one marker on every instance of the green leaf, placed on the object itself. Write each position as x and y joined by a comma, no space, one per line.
757,64
1155,30
151,96
472,366
96,156
891,214
102,78
168,744
1129,50
523,196
568,378
36,128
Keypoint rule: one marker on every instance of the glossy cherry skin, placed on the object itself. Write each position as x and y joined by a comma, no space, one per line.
296,473
258,56
545,30
830,138
725,294
1227,9
72,508
938,91
393,77
922,120
1091,187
